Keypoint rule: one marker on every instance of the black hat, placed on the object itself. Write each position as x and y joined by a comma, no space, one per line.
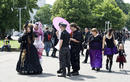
62,24
26,24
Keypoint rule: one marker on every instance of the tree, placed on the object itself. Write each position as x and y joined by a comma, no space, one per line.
92,13
109,11
126,9
122,6
128,21
44,14
9,13
77,11
128,6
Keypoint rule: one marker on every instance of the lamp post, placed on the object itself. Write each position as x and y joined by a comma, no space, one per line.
107,25
20,11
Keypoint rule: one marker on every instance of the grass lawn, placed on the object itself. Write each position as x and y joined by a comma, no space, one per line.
14,44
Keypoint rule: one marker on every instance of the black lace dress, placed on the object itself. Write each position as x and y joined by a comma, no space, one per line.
28,62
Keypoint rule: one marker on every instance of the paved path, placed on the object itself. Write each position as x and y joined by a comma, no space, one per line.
50,65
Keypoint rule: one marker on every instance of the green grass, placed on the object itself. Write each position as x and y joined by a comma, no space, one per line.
14,44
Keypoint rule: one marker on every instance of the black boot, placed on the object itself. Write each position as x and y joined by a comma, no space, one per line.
111,62
52,55
120,65
93,68
63,73
98,69
86,56
60,71
69,74
75,73
47,54
107,61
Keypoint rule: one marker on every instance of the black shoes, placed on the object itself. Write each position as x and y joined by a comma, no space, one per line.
93,68
60,71
98,69
69,74
54,56
107,68
75,73
84,62
47,54
61,75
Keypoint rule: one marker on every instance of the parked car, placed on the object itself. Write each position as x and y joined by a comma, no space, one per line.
16,35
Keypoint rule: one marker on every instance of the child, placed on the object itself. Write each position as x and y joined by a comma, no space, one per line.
121,57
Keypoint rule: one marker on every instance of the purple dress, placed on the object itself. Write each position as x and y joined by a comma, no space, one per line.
110,48
95,45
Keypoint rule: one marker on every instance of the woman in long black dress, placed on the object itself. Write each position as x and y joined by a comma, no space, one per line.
28,62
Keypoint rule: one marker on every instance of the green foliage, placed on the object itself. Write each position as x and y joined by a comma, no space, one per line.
77,11
109,11
126,9
90,12
9,14
128,21
44,14
122,6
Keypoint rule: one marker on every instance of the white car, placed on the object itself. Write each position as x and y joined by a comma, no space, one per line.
16,35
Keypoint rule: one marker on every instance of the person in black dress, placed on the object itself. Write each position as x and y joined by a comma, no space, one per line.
28,62
109,49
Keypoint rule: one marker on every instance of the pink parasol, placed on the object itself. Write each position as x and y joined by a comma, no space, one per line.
58,20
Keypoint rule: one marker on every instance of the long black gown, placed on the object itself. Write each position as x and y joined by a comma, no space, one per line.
28,62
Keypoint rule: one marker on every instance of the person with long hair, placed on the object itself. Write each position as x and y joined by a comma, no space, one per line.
76,44
55,41
28,62
39,40
109,48
95,50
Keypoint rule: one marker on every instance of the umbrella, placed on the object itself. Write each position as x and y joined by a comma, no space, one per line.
58,20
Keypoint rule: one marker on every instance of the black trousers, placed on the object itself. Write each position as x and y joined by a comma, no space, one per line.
54,52
86,56
75,58
64,58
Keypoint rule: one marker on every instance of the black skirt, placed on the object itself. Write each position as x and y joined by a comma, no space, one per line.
28,62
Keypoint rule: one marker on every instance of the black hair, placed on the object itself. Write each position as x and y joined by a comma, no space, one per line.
62,24
110,31
74,25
